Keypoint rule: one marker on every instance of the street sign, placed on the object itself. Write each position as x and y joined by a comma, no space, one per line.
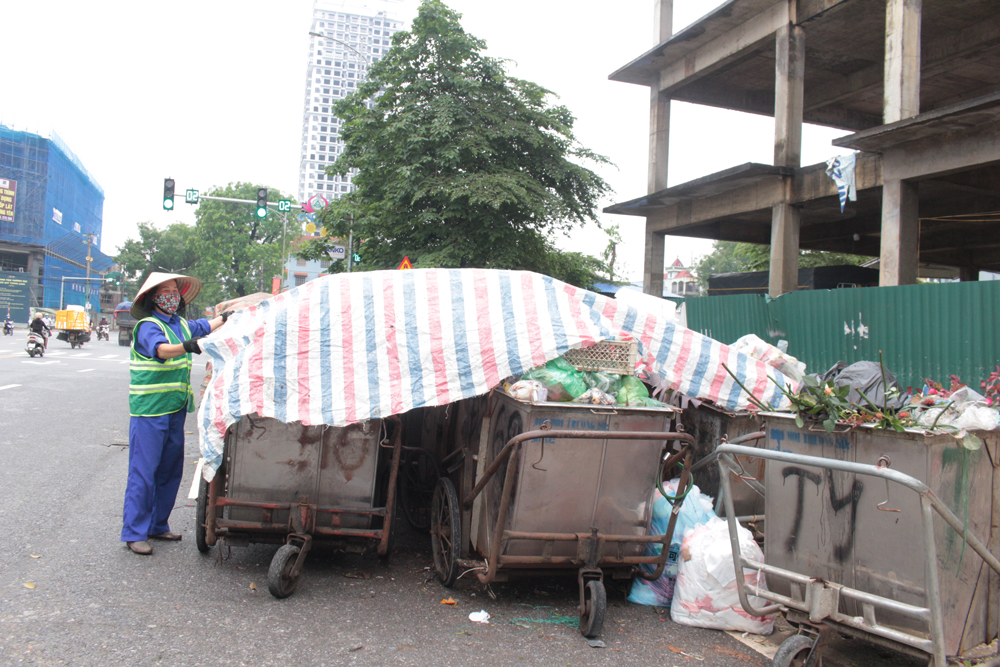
405,264
284,205
191,196
356,258
338,252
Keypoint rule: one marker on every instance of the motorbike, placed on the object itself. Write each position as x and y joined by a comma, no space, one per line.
8,328
102,332
36,345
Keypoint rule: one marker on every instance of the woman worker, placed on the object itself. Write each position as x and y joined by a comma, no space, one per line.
160,397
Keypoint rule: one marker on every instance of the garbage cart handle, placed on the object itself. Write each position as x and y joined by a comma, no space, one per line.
707,460
514,442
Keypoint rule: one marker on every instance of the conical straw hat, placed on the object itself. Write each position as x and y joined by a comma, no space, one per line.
188,286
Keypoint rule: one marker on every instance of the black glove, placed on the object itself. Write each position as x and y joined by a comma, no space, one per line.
226,315
192,346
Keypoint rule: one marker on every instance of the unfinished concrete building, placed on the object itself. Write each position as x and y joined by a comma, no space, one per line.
917,82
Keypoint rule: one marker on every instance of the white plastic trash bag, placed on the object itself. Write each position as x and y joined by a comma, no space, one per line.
705,595
696,510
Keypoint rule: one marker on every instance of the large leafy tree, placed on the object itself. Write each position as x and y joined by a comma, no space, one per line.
459,164
171,250
239,253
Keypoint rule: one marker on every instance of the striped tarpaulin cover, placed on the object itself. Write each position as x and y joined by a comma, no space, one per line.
351,347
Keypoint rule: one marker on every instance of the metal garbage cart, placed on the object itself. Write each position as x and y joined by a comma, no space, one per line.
300,485
560,486
852,545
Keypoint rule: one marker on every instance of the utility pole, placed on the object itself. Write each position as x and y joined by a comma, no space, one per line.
90,240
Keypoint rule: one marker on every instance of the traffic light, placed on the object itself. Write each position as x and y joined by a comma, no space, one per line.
168,194
262,203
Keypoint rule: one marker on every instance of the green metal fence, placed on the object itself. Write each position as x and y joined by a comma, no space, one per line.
924,331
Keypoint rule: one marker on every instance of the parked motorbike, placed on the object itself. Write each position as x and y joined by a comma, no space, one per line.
36,345
102,332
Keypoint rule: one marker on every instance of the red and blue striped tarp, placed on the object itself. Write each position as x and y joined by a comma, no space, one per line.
350,347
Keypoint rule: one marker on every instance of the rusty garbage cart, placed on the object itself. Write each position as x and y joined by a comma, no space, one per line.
874,534
297,486
558,486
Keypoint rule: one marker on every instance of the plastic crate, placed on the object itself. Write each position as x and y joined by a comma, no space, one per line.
610,356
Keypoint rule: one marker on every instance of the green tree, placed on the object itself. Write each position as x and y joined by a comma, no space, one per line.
171,250
239,253
732,257
459,164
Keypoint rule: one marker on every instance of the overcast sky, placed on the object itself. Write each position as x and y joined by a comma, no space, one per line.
210,92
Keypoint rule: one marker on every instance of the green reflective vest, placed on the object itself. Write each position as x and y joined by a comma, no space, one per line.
160,387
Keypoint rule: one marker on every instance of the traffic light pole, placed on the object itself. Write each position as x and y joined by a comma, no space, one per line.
272,204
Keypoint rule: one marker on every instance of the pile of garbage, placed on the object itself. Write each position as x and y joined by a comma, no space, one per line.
698,584
559,381
867,392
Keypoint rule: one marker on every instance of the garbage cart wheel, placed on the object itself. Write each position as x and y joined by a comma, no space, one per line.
201,517
279,579
418,477
595,601
793,651
446,528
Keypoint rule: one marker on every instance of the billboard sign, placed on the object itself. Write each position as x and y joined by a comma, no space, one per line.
8,198
337,252
14,294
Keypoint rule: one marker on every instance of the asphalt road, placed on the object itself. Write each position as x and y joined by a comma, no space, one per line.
72,594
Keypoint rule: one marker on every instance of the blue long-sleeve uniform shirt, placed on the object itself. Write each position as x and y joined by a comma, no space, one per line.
149,337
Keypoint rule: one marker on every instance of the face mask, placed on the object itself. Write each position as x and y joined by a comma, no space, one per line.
168,303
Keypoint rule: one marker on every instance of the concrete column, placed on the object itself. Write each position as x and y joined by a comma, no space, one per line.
968,274
789,76
659,106
659,144
663,20
784,269
659,140
900,234
901,95
652,270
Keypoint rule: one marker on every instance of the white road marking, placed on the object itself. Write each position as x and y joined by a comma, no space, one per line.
85,370
40,363
123,362
109,356
9,386
82,354
196,480
55,352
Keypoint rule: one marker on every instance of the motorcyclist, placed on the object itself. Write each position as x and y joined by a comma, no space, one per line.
39,327
102,328
8,324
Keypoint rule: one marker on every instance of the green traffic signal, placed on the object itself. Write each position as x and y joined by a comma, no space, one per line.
356,258
168,194
262,203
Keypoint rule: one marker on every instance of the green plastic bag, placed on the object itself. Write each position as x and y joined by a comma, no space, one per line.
558,376
609,383
634,393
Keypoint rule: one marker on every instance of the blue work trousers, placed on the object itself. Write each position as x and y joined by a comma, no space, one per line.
155,467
